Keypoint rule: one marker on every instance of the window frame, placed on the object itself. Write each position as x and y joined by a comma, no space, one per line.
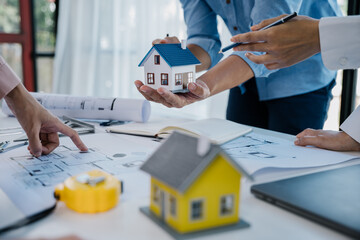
148,78
157,59
202,212
178,79
163,79
222,205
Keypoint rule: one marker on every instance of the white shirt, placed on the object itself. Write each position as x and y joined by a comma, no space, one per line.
352,125
340,42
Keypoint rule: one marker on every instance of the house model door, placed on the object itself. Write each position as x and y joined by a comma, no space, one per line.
162,205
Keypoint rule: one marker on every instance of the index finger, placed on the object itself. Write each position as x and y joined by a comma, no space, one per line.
66,130
266,22
250,37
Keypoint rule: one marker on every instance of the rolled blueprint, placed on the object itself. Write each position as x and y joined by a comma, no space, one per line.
121,109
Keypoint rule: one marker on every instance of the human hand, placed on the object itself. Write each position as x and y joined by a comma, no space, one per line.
166,40
284,45
40,126
331,140
198,91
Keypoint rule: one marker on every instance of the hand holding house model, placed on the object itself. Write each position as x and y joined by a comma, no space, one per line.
171,66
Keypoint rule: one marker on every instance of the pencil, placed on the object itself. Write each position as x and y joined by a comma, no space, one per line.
278,22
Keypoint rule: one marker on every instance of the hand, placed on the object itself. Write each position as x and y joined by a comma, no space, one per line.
284,45
198,91
40,126
331,140
166,40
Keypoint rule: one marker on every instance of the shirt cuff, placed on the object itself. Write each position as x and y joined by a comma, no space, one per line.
210,46
8,79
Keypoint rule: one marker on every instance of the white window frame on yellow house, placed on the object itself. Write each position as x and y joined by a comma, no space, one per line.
203,209
172,206
156,194
221,205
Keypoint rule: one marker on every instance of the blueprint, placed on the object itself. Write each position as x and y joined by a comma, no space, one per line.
257,151
23,176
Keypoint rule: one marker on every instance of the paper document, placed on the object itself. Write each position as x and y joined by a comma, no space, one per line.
257,152
92,108
23,176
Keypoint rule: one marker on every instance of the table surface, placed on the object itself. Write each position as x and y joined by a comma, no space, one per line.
127,222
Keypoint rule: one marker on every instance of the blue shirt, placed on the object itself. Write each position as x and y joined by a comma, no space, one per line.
239,16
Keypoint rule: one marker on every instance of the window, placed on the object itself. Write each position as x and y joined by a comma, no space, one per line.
190,77
226,205
156,194
150,78
197,211
164,79
172,206
178,79
157,59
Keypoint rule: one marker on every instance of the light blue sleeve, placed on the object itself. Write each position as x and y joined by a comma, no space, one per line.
264,9
202,28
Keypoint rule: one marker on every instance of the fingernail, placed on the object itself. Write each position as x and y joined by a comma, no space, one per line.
192,86
137,85
37,154
161,91
143,90
296,141
247,54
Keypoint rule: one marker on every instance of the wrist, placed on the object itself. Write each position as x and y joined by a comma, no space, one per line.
316,35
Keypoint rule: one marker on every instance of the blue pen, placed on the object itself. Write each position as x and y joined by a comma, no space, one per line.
278,22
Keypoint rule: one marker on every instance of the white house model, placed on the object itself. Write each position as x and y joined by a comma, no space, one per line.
171,66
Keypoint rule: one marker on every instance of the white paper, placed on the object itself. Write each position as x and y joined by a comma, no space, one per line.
257,152
92,108
34,179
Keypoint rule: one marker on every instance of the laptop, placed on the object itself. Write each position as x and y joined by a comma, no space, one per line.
331,197
13,216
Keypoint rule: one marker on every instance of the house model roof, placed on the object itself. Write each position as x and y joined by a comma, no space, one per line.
177,164
173,54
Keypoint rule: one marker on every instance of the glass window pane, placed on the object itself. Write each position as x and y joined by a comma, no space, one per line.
12,53
45,74
9,16
44,14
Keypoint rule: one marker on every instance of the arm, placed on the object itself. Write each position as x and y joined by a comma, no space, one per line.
285,44
40,126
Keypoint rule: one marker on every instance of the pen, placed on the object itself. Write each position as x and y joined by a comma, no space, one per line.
278,22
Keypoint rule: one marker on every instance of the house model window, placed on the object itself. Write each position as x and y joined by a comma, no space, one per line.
197,209
172,205
190,76
164,79
178,79
156,194
226,205
156,59
150,78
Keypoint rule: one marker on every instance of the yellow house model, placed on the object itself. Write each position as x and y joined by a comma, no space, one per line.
193,189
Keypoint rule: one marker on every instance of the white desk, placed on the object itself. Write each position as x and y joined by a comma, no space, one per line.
126,221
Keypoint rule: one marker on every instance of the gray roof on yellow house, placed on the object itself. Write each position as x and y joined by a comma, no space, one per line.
177,164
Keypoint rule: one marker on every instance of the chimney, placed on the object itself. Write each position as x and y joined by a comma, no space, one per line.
183,44
203,146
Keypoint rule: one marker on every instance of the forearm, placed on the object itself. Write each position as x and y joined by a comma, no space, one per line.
202,56
227,74
18,99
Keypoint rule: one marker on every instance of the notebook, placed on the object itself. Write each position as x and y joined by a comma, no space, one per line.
217,130
331,197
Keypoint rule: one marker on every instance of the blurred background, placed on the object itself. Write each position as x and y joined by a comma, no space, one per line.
93,48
